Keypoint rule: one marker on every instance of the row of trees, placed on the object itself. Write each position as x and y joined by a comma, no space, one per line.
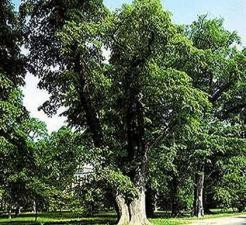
158,109
34,166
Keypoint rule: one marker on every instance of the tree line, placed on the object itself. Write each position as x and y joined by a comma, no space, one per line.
158,109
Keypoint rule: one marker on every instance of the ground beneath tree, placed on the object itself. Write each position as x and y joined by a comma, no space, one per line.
240,220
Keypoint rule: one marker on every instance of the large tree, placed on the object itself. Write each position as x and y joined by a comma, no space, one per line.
126,104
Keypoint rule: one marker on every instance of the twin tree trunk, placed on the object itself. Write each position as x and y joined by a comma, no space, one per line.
198,195
134,212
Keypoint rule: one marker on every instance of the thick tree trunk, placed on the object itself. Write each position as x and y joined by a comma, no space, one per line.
122,210
133,213
136,149
91,113
198,198
138,211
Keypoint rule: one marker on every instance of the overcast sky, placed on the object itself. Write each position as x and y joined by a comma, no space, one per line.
183,11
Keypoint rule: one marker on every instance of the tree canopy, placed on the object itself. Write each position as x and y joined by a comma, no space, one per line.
157,109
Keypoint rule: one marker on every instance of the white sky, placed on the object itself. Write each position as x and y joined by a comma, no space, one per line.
33,98
184,11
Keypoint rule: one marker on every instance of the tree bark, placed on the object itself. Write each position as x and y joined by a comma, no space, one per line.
138,211
133,213
198,198
136,147
123,211
137,156
91,113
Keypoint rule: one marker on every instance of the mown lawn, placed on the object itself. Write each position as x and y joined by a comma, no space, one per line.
85,221
59,218
169,221
163,218
67,218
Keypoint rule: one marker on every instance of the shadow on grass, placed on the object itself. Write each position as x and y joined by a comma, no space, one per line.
167,215
62,215
20,223
58,215
82,222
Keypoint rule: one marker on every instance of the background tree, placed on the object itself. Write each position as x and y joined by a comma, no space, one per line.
14,148
57,157
215,65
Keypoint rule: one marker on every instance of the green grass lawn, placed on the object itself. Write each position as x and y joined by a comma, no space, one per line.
170,221
67,218
186,219
59,218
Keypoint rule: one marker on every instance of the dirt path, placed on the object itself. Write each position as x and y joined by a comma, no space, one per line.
239,220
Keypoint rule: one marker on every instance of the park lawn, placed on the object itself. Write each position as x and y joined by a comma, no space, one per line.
222,214
68,218
170,221
23,220
57,218
85,220
190,220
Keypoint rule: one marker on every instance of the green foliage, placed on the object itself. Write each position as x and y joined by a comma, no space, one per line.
105,183
164,104
11,60
231,190
210,34
11,107
57,157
